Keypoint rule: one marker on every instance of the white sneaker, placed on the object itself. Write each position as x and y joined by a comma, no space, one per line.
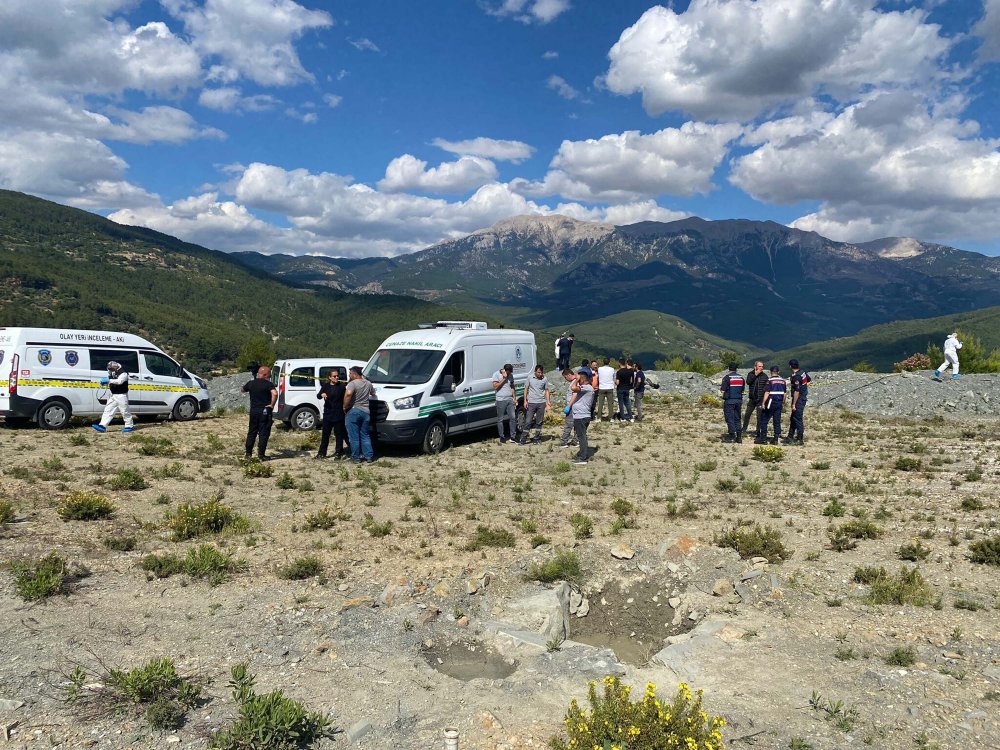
581,462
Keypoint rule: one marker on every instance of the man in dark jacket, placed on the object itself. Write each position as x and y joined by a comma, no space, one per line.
565,351
732,399
332,395
756,381
263,394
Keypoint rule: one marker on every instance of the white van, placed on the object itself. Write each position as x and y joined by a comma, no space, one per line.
54,374
298,381
438,381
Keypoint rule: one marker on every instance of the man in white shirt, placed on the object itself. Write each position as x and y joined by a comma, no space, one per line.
605,389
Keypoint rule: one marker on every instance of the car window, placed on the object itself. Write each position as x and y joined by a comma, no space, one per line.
301,377
161,365
324,373
129,360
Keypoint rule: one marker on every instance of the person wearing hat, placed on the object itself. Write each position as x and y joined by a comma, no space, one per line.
117,385
771,405
732,402
951,347
799,382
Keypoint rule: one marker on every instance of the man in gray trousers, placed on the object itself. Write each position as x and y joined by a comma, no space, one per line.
506,393
537,401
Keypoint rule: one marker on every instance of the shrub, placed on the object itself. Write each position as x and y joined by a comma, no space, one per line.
127,479
301,568
204,562
564,566
324,519
868,575
488,536
268,722
377,529
769,454
257,469
820,465
538,540
614,721
6,511
726,485
914,551
707,399
906,463
907,587
707,465
120,543
861,528
913,363
902,656
834,509
986,551
50,575
285,482
622,507
972,504
85,506
148,445
862,366
583,525
758,541
211,517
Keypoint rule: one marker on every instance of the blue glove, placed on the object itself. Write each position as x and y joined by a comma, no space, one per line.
105,381
567,410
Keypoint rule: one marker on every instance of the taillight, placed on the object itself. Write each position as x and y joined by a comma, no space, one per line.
12,381
281,389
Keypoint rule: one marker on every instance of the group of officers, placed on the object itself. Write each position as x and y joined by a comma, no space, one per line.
766,394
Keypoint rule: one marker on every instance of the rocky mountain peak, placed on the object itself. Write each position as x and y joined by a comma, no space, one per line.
896,247
552,229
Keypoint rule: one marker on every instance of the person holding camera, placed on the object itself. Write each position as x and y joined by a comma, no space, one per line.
506,395
263,395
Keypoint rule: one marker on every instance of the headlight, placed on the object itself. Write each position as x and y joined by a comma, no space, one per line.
201,383
410,402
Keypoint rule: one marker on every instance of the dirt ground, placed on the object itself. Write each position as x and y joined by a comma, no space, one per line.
363,640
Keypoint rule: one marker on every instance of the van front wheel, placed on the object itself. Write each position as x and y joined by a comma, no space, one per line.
53,415
434,437
185,410
304,418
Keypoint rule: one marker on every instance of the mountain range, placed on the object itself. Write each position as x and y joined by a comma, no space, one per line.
761,283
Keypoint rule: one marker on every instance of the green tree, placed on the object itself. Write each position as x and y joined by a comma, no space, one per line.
256,349
730,358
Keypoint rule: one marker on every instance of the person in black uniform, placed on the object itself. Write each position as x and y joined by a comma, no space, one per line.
756,384
771,405
565,345
263,394
732,402
799,381
332,395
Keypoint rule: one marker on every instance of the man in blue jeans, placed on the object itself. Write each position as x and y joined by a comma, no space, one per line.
358,416
623,381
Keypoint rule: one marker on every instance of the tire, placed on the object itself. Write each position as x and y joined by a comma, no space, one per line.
53,414
520,417
435,436
185,410
304,419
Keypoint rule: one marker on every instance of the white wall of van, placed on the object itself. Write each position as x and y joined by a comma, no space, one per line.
298,381
53,374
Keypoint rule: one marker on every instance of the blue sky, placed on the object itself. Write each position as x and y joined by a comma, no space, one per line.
359,128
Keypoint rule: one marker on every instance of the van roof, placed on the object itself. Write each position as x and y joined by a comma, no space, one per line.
439,338
305,361
72,337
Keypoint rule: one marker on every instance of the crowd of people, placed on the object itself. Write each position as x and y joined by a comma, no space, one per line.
766,393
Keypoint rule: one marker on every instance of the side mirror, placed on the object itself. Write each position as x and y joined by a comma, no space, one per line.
448,383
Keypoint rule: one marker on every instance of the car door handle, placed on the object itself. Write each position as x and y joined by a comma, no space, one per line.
466,390
146,377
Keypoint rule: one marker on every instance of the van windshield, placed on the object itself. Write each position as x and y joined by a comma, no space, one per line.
403,366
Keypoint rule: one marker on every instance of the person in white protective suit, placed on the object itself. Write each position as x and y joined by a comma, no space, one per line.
117,385
951,347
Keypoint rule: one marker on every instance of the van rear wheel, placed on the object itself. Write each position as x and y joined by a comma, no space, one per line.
303,419
53,415
434,437
185,410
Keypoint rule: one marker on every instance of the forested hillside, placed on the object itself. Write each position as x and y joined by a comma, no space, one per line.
64,267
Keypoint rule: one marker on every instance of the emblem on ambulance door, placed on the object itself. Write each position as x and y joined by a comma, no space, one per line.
72,358
1,358
44,357
517,354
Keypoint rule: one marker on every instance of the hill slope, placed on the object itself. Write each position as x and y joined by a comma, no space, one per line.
742,280
62,267
883,345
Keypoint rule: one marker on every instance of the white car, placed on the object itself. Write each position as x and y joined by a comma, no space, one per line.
298,382
54,374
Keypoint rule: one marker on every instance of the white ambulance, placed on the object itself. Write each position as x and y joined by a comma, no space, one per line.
438,381
54,374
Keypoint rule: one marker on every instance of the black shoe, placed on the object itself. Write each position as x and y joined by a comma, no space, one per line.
787,441
739,438
264,458
760,441
728,439
536,441
503,441
774,441
247,457
320,455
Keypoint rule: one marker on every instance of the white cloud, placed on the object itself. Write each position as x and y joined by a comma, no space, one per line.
231,99
364,44
529,11
308,118
739,58
887,165
988,30
488,148
620,168
622,214
562,87
76,170
251,38
550,55
407,172
332,100
159,124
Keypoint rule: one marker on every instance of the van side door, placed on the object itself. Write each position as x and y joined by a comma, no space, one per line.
450,393
163,382
129,360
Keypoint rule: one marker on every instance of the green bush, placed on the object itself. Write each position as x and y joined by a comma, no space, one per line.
285,482
324,518
834,509
211,517
268,722
706,465
257,469
564,566
85,506
906,463
150,445
127,479
614,721
489,536
583,525
986,551
914,551
6,511
862,528
906,587
125,543
758,541
769,454
902,656
45,577
301,568
707,399
203,562
377,529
